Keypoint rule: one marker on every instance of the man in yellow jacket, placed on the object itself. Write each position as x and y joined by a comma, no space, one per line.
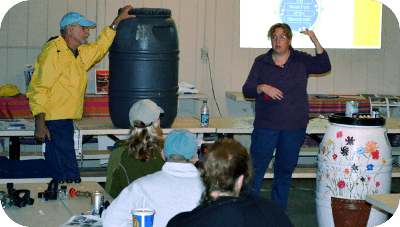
56,91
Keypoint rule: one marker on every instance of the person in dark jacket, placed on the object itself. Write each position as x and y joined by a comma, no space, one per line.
278,82
224,172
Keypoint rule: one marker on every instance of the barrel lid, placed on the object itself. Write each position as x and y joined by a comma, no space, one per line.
340,118
150,12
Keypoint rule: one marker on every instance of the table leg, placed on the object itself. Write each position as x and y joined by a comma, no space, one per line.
225,135
15,148
86,139
112,137
315,138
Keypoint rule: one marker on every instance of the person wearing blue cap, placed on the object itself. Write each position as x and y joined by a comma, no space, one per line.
56,91
174,189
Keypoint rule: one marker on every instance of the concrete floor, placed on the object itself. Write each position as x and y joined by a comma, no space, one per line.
301,207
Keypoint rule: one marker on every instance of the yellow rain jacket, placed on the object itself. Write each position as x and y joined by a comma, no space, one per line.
59,80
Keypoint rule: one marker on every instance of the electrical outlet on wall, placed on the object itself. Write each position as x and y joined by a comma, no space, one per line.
204,53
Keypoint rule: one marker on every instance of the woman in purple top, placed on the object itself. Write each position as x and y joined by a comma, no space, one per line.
278,82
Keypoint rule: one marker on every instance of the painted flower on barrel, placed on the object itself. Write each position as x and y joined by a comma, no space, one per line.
339,134
344,150
354,167
370,167
341,184
371,146
375,154
334,156
349,140
377,184
323,149
383,161
360,150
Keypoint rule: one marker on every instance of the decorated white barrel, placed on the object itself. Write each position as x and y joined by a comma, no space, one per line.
354,160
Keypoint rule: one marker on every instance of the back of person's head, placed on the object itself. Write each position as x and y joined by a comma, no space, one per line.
180,146
146,141
222,166
144,113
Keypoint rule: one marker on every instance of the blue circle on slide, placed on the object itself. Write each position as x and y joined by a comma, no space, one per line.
299,14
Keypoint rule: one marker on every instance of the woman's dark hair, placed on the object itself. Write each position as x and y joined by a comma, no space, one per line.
145,142
226,161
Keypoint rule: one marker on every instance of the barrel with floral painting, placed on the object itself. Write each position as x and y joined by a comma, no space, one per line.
354,160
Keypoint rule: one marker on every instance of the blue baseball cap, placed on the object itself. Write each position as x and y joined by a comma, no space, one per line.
181,142
74,17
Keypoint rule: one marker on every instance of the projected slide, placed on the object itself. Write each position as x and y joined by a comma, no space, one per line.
338,24
299,15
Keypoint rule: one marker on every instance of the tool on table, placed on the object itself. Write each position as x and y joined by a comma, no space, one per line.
51,192
15,195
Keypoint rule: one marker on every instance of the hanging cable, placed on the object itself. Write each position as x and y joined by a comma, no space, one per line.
208,59
212,85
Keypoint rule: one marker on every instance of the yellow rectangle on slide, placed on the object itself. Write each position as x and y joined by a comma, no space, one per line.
367,23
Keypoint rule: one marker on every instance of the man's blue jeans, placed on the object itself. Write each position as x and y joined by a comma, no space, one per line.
60,159
34,168
60,152
287,144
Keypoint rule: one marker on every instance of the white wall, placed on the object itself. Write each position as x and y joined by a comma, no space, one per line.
29,24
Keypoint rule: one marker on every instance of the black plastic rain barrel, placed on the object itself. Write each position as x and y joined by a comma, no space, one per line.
144,61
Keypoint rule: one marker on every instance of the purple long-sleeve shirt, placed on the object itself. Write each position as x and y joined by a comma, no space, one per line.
291,112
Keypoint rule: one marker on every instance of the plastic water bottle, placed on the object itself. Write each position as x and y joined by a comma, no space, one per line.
204,115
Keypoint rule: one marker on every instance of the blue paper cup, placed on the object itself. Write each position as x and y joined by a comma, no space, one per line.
143,217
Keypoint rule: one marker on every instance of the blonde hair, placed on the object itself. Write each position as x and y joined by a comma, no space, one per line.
145,142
